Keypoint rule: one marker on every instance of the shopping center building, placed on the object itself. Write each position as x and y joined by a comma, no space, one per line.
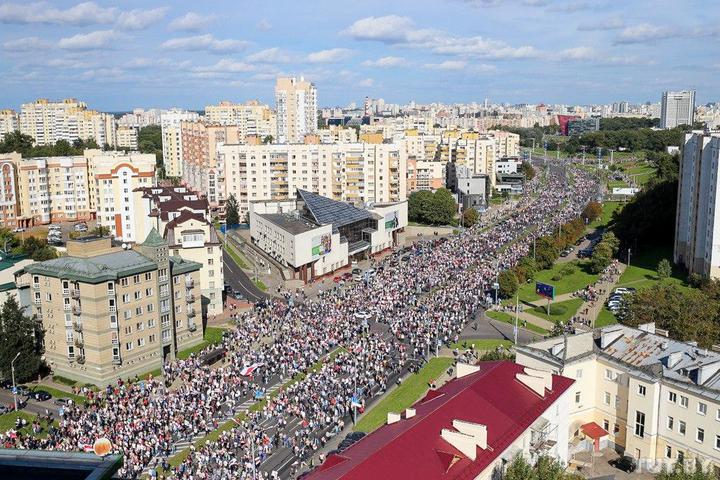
315,235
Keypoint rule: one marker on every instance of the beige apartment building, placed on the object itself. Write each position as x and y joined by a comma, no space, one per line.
296,107
170,121
335,134
127,137
9,205
200,142
507,144
251,118
656,399
112,313
9,122
358,173
422,175
69,119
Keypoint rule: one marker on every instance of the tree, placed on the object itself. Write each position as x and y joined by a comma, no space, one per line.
508,283
19,334
526,268
592,211
267,139
664,269
232,217
418,204
441,209
679,472
520,469
527,170
470,217
150,141
546,252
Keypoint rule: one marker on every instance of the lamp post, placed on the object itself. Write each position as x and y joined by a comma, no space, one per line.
12,369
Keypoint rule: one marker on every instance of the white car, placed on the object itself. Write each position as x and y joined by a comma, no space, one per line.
19,230
54,228
621,290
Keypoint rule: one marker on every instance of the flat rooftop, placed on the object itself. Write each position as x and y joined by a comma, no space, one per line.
290,223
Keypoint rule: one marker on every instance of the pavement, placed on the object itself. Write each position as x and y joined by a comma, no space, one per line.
239,280
592,466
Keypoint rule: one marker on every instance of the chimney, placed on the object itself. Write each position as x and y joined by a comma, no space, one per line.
536,380
647,327
464,369
393,417
409,413
608,337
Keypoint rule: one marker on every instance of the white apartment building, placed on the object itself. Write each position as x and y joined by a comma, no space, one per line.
172,139
140,118
654,398
677,108
47,122
697,227
9,122
127,137
358,173
251,118
296,107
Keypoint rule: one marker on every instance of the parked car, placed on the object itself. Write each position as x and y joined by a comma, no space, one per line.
18,230
337,279
80,227
63,401
626,463
347,276
621,290
54,228
39,395
238,295
564,253
357,274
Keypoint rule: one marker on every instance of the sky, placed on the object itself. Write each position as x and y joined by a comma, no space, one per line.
146,53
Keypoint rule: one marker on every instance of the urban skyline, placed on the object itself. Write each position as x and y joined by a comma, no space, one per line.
155,55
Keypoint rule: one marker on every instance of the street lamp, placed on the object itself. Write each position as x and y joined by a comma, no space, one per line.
12,369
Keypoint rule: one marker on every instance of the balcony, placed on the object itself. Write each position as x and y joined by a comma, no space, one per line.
190,298
191,313
76,310
189,283
192,327
77,326
80,359
79,343
75,293
116,360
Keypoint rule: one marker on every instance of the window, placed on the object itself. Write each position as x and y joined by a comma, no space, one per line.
606,400
668,451
71,351
640,424
642,390
717,415
578,373
717,442
48,297
124,282
148,276
138,295
148,292
141,342
128,329
672,397
151,338
127,314
681,427
617,401
616,428
129,346
138,310
136,278
702,408
606,425
126,297
150,307
151,323
684,401
111,287
700,435
670,423
680,456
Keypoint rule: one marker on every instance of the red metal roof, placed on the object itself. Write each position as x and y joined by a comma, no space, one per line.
593,430
413,448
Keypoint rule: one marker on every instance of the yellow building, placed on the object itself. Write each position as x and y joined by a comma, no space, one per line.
296,107
112,313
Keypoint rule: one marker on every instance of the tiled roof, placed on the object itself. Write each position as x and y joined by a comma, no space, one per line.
97,269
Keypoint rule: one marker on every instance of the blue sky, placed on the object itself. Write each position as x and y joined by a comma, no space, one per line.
121,55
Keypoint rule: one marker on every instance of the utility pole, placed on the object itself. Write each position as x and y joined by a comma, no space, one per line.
517,308
628,259
12,368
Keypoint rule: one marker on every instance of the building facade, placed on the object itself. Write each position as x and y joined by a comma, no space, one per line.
250,118
296,107
69,119
171,139
111,313
9,122
127,137
677,108
9,204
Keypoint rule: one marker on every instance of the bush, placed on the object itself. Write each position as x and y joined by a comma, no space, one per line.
508,283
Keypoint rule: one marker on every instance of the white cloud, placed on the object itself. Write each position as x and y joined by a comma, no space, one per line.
204,42
644,32
226,65
89,41
387,29
578,53
26,44
329,56
611,23
140,19
191,22
447,65
264,25
112,73
385,62
270,55
366,82
87,13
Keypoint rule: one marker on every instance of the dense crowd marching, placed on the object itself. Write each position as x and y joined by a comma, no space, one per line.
423,296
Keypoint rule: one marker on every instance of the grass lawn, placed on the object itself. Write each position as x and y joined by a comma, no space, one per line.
7,422
605,318
641,173
213,336
617,184
481,344
57,393
581,278
237,257
409,392
260,285
642,272
508,318
562,311
608,209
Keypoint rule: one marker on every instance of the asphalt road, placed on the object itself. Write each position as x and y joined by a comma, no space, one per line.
238,280
485,328
32,406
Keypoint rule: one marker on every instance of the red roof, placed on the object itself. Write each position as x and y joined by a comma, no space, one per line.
413,448
593,430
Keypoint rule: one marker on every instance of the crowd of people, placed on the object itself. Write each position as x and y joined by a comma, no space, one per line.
329,361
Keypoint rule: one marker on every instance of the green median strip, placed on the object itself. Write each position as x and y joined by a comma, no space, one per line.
212,336
236,256
507,318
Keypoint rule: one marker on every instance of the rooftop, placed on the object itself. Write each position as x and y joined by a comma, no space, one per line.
172,199
325,211
290,223
96,269
415,448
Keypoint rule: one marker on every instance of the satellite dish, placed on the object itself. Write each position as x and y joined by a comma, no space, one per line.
102,447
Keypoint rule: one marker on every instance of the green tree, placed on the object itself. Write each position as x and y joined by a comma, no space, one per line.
592,211
150,141
441,209
418,204
267,139
664,269
470,217
16,142
520,469
546,252
508,283
527,170
679,472
19,334
232,217
529,267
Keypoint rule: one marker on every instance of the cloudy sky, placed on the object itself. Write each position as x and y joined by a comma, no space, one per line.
120,55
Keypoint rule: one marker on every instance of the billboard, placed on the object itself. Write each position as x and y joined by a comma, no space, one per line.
321,245
391,220
624,191
545,290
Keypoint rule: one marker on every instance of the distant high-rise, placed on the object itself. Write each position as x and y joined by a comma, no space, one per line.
171,140
296,103
677,108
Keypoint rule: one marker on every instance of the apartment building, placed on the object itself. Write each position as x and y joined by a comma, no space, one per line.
171,139
183,219
334,134
9,205
677,108
140,118
113,178
507,144
127,137
296,107
697,227
251,118
69,119
652,397
200,142
9,122
423,175
53,189
112,313
353,172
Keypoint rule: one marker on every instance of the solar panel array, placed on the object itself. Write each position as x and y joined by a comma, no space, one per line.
326,210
